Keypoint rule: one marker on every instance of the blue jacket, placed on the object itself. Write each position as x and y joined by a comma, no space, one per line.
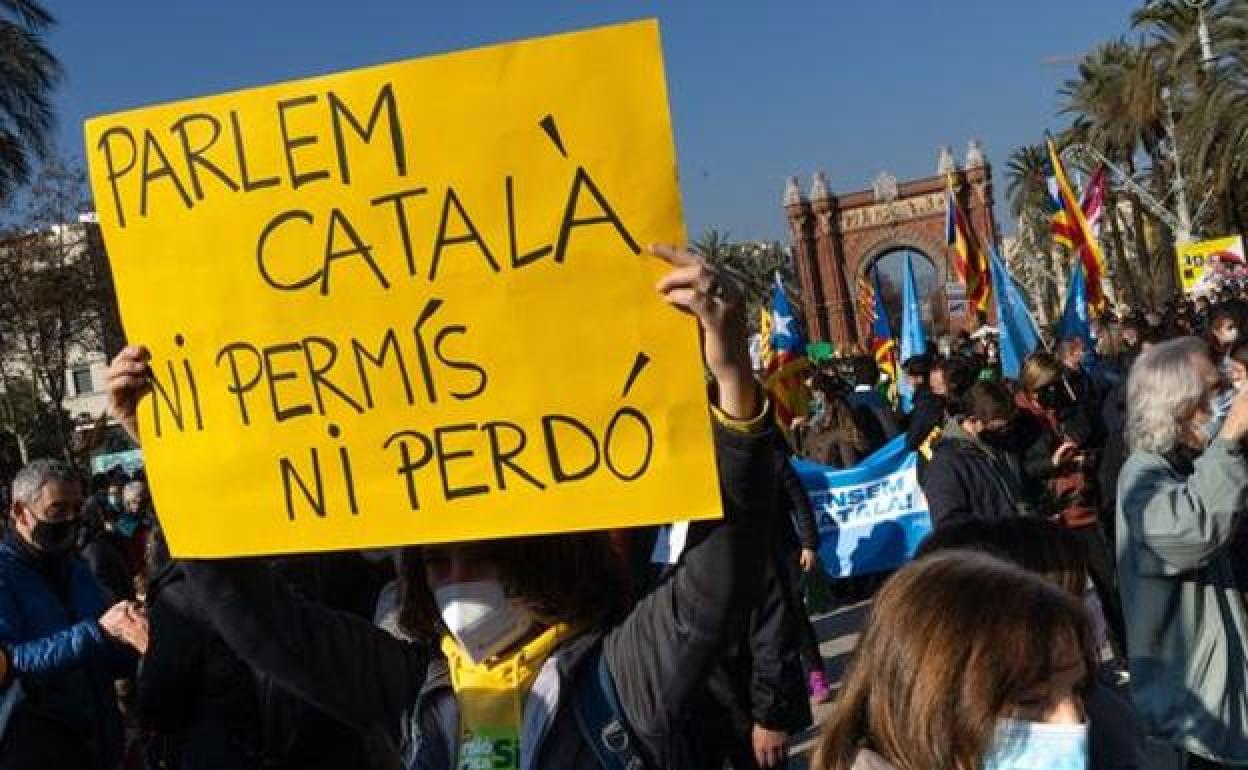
66,663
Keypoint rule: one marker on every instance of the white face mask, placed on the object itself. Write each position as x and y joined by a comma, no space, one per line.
1038,746
481,617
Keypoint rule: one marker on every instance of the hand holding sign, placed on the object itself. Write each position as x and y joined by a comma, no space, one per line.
715,299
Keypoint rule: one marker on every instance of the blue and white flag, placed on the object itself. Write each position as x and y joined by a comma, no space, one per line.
1074,321
1019,335
913,341
871,517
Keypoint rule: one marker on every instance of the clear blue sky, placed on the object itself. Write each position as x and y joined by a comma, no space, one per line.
759,90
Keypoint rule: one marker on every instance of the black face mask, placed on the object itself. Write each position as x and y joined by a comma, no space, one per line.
1054,396
55,537
997,439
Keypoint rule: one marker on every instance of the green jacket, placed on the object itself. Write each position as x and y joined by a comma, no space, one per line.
1187,626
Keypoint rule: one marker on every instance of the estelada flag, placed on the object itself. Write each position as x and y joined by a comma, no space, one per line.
785,375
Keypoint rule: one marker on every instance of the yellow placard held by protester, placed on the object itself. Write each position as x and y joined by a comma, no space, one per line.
410,303
1198,260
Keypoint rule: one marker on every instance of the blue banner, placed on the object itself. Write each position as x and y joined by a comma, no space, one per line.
871,517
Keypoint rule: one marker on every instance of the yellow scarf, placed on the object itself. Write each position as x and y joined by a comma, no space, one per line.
491,699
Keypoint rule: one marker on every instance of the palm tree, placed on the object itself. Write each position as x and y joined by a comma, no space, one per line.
29,72
1026,187
754,264
1117,106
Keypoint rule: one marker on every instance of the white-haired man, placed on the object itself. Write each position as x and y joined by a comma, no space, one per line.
1180,496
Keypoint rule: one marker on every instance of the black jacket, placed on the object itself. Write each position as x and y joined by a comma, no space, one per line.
657,656
967,480
760,682
195,696
928,413
793,506
105,554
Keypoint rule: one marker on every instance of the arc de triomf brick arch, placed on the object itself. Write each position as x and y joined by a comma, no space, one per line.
837,237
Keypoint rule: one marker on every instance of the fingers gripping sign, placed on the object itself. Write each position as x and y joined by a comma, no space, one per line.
716,299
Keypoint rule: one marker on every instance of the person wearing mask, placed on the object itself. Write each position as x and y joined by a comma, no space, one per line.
135,525
66,645
1116,736
532,629
973,474
114,496
1181,494
966,662
1059,466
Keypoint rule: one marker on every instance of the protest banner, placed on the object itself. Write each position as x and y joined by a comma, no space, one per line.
377,301
129,461
1198,260
871,517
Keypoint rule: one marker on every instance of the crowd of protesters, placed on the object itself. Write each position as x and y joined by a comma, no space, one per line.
1080,602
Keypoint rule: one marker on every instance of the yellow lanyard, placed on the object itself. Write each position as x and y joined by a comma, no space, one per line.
491,699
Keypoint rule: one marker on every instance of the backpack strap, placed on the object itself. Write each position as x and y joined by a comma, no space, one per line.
600,718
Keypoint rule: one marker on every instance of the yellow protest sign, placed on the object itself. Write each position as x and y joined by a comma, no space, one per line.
409,303
1200,261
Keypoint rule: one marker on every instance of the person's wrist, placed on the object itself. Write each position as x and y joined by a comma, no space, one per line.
739,395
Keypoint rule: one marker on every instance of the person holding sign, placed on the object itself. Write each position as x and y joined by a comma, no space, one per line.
541,669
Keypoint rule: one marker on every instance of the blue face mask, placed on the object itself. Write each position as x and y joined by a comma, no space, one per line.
127,524
1038,746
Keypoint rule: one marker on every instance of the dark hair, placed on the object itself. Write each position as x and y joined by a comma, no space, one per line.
578,579
1043,547
866,371
953,641
961,372
988,401
827,383
918,366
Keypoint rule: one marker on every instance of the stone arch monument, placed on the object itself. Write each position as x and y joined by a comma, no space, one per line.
836,237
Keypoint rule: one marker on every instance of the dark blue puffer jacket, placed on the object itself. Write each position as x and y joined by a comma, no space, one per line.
65,661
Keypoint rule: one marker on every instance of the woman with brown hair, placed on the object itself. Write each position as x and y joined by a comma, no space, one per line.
967,663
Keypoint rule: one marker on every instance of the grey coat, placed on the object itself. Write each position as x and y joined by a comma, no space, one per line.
1186,622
